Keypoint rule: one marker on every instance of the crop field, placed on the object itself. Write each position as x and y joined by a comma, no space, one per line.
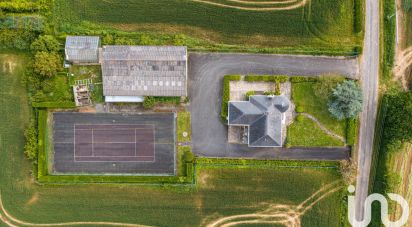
220,192
303,24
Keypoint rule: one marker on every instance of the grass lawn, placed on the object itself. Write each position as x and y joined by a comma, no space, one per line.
307,133
220,191
58,89
183,125
321,25
303,94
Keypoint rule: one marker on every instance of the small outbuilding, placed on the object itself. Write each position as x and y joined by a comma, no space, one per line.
82,49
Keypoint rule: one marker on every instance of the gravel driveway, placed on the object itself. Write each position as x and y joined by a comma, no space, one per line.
206,71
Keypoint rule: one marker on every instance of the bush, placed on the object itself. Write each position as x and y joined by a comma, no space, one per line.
226,94
300,118
31,146
149,102
62,104
269,92
299,109
249,93
358,16
189,156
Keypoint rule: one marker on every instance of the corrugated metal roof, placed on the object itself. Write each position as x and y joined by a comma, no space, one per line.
144,70
82,49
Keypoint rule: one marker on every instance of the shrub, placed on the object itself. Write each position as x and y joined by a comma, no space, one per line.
189,156
269,92
249,93
31,146
149,102
299,109
300,118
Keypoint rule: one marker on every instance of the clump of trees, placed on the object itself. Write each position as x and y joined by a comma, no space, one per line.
346,100
398,121
47,64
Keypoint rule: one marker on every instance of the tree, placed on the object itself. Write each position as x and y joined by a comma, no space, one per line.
45,43
47,64
346,100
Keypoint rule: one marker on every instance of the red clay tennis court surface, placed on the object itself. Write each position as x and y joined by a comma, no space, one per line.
114,143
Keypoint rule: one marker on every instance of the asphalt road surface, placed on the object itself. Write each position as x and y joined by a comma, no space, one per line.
206,71
370,82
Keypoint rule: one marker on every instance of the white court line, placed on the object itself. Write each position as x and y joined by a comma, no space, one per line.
92,142
114,129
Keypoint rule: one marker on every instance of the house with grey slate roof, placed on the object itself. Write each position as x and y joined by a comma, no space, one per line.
82,49
263,115
132,72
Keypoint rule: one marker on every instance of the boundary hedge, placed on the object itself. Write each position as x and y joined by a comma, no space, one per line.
53,104
267,78
226,94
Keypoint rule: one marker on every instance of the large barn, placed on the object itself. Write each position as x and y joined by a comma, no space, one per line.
132,72
82,49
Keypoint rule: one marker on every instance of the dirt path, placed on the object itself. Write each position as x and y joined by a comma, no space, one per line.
288,215
323,128
274,5
9,220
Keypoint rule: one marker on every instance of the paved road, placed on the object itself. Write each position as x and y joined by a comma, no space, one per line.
206,73
370,82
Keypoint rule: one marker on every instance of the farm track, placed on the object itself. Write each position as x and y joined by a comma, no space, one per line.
11,221
256,5
288,215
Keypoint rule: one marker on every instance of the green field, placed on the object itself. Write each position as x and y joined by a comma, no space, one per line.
220,191
323,25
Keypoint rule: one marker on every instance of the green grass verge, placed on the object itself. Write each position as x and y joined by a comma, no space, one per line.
308,134
321,27
304,95
183,125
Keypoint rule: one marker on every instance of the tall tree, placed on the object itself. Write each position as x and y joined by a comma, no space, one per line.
346,100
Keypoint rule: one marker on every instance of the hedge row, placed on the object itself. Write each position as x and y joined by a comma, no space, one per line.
263,163
389,29
358,16
352,131
297,79
22,6
42,163
267,78
226,94
53,104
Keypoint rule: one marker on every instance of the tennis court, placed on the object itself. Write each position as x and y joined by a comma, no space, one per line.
114,143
